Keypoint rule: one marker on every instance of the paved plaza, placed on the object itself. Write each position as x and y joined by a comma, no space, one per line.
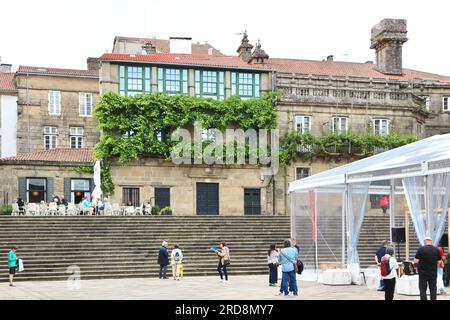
189,288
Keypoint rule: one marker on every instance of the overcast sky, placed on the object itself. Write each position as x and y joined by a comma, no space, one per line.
55,33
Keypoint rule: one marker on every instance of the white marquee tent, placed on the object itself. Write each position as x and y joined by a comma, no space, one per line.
328,209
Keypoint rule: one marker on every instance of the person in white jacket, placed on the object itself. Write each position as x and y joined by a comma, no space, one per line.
390,279
176,259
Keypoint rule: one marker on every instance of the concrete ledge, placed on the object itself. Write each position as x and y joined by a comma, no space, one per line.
409,286
336,277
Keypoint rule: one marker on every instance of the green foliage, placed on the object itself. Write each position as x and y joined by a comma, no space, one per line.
166,211
156,210
84,169
6,210
145,115
350,143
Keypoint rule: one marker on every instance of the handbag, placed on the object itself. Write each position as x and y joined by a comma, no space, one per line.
226,262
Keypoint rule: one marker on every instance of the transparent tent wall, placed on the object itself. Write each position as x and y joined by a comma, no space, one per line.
330,229
302,228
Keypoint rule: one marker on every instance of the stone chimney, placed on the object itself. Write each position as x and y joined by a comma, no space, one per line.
148,48
180,45
5,68
387,39
259,56
93,64
330,58
245,49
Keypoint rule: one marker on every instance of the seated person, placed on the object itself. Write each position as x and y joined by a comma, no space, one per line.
86,207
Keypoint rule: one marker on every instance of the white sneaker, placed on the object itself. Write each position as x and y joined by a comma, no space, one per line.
225,281
278,293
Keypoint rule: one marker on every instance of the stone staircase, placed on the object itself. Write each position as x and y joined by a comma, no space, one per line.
119,247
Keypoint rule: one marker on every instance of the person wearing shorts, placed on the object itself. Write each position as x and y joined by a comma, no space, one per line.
12,265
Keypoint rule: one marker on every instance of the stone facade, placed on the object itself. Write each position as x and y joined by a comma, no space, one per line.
33,109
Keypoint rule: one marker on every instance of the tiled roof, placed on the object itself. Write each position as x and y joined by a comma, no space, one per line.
185,59
162,45
59,72
84,156
7,83
343,69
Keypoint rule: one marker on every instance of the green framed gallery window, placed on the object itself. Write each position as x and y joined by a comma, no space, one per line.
210,84
245,85
134,80
173,81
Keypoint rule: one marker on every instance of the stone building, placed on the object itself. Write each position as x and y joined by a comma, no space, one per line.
55,108
317,97
8,112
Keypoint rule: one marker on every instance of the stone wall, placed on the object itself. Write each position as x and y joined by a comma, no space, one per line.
33,114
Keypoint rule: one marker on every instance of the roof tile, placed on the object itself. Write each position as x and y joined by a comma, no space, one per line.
55,155
7,83
59,71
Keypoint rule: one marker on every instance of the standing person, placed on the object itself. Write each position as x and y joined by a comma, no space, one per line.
390,277
85,206
224,261
272,261
288,259
384,203
12,264
176,258
56,199
381,252
440,272
427,258
21,206
163,260
64,202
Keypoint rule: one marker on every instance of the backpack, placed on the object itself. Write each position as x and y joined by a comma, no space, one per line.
385,266
177,257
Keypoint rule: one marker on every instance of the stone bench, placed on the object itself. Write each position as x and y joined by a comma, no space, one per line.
409,286
336,277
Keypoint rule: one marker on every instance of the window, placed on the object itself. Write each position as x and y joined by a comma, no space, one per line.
162,197
36,190
446,103
427,101
173,81
210,84
76,137
80,189
245,85
50,138
54,102
134,80
85,104
303,123
301,173
381,126
130,196
340,124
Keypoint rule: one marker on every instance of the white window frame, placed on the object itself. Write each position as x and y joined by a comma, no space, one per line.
302,122
85,104
76,133
51,133
446,101
380,126
54,102
339,120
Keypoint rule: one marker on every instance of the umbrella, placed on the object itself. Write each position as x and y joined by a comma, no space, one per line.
97,193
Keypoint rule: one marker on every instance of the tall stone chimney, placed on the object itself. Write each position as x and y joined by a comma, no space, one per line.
388,37
245,49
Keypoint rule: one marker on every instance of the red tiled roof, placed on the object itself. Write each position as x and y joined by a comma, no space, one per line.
55,155
59,72
7,83
327,68
185,59
351,69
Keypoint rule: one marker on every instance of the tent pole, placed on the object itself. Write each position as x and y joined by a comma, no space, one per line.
392,209
448,229
315,231
406,234
427,208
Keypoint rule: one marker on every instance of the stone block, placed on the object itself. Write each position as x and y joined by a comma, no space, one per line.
336,277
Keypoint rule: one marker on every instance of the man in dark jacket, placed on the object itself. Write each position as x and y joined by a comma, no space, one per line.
163,260
427,258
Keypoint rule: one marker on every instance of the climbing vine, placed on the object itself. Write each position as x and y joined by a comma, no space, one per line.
130,125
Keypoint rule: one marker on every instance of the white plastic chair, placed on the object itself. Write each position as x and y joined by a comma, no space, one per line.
15,209
130,211
62,210
32,209
71,209
116,210
107,211
52,208
42,210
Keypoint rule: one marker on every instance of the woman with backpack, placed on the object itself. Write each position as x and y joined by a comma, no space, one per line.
272,261
389,267
224,261
176,259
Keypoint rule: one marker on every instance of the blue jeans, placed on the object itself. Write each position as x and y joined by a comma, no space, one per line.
382,284
289,278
